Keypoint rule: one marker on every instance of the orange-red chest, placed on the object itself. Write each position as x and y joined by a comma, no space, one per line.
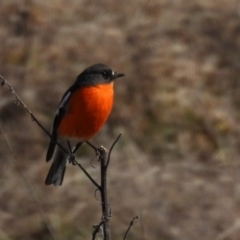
87,111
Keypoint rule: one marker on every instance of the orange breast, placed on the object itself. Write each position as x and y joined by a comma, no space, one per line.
88,110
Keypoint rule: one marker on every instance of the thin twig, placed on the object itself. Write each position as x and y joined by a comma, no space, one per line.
134,221
78,145
91,163
21,103
86,173
91,145
97,229
111,148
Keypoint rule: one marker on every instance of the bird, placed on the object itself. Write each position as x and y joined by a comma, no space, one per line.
82,112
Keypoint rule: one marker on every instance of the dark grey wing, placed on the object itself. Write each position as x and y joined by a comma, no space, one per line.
57,120
53,140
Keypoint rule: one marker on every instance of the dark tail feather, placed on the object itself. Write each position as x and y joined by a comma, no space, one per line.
56,173
51,147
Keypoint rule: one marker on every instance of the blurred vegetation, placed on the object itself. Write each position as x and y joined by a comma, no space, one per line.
177,163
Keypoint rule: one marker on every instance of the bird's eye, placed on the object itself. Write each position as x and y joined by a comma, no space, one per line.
106,74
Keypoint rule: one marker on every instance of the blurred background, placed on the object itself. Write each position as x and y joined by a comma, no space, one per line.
177,163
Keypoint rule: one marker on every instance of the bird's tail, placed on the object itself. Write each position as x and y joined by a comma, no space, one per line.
56,173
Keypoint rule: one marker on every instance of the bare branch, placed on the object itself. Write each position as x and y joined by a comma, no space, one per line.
97,231
92,146
134,221
111,148
104,158
78,145
104,197
21,103
85,171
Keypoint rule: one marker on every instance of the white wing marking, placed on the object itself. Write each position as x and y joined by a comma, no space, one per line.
63,102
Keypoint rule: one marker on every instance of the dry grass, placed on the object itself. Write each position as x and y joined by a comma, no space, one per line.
177,164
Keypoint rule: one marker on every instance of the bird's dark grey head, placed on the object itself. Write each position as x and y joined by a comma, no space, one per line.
97,74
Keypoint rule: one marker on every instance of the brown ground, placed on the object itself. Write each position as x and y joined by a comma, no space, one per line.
177,163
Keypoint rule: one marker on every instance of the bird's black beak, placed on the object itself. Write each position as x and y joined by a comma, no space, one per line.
118,75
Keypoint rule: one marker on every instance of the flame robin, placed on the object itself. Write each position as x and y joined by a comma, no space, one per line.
83,110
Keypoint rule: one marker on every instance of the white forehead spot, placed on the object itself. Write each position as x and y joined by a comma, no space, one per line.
113,73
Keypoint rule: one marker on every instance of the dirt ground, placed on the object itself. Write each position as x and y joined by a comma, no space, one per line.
177,163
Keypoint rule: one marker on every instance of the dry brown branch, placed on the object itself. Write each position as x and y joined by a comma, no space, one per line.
134,221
